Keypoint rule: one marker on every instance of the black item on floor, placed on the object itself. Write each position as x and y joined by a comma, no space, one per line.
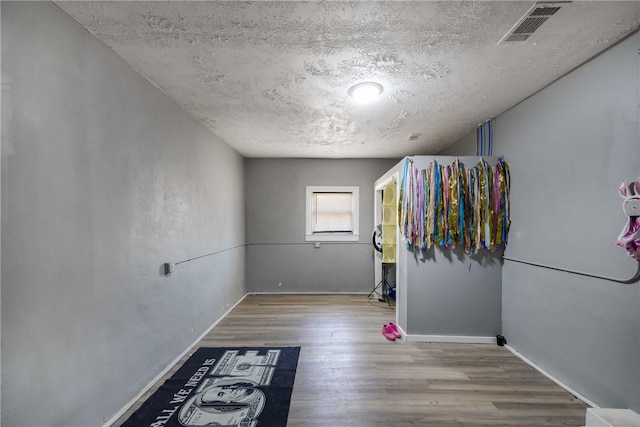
500,340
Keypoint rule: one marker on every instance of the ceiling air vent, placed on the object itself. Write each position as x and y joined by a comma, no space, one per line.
530,22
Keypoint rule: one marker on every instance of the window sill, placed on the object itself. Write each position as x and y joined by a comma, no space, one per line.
332,237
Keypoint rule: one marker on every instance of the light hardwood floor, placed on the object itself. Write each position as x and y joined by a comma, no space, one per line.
350,375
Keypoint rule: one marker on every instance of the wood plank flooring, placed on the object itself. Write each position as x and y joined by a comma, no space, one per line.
349,375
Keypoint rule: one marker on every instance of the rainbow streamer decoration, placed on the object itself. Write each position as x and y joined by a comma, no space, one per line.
455,205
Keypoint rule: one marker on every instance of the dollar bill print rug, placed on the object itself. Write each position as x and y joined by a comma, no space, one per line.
239,387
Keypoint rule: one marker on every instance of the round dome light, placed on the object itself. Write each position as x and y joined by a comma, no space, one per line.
365,92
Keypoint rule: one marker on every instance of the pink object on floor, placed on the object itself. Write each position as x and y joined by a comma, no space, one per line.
388,333
395,330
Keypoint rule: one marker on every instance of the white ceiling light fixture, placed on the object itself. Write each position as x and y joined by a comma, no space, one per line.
366,92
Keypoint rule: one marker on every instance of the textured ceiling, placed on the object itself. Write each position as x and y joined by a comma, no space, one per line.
271,78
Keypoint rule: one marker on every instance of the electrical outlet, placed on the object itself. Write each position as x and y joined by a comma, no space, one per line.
168,268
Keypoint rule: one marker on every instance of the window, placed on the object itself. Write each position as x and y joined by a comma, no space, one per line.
332,213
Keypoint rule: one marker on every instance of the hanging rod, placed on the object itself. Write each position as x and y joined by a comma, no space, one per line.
209,254
634,279
169,267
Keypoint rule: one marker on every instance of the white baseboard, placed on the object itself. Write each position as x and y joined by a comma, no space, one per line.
461,339
129,404
551,377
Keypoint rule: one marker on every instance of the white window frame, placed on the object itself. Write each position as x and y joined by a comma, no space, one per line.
354,236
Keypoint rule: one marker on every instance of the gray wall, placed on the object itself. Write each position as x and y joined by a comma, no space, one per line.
275,214
569,147
104,179
453,293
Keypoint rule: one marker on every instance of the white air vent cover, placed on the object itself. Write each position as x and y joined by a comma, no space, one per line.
530,22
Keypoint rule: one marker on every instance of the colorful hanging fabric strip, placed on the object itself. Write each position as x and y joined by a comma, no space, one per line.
455,205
